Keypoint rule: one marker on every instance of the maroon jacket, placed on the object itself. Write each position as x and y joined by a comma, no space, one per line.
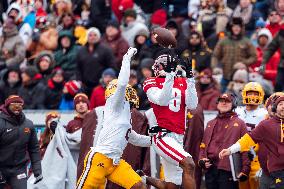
119,47
220,133
208,98
74,124
193,137
268,133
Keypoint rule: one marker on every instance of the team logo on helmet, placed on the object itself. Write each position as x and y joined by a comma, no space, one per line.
130,93
253,99
160,63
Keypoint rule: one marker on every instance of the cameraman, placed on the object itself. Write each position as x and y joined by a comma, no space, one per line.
223,131
18,145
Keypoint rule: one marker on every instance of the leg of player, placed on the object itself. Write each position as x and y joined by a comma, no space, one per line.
188,167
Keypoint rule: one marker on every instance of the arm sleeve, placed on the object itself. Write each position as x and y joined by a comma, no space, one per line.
117,99
139,140
243,144
191,99
252,57
34,153
162,96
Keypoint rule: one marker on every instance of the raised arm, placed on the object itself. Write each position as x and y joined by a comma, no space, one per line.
159,96
118,97
191,99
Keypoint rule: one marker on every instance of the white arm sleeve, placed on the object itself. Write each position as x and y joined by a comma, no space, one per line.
118,98
235,148
139,140
162,96
191,99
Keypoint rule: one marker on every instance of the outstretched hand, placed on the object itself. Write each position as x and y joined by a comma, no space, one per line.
131,52
224,153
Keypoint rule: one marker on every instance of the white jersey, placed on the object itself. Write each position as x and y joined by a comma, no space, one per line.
251,118
116,124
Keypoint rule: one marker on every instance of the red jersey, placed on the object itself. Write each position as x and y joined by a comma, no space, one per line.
173,116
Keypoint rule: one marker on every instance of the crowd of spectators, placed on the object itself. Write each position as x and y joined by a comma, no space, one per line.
50,50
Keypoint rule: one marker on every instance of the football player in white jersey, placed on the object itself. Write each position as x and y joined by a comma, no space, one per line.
104,160
252,114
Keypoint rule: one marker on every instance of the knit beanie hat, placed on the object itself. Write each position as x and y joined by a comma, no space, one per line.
32,72
278,100
51,115
110,72
159,17
81,97
113,23
130,13
241,75
147,63
13,99
93,30
73,87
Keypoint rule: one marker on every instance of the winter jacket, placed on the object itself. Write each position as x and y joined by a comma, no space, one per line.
119,6
74,125
193,137
47,41
34,95
100,13
220,133
119,47
201,57
90,65
230,51
53,94
98,97
66,60
207,98
130,31
47,73
12,48
149,6
18,144
9,89
66,103
277,43
274,28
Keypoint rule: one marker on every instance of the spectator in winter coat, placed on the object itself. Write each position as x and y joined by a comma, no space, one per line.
140,43
65,55
98,94
145,69
176,31
274,24
25,30
272,48
12,49
249,15
54,89
263,39
44,63
207,90
223,131
115,41
213,17
43,38
232,50
81,106
198,52
48,132
19,145
10,84
66,22
70,89
239,80
131,26
92,59
119,6
32,90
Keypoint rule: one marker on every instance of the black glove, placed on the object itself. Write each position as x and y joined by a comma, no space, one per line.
202,162
53,126
243,177
171,65
2,179
188,68
38,178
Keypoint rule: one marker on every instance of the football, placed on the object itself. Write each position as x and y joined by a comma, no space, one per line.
165,38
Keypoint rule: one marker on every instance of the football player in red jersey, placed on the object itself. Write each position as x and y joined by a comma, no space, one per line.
170,97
